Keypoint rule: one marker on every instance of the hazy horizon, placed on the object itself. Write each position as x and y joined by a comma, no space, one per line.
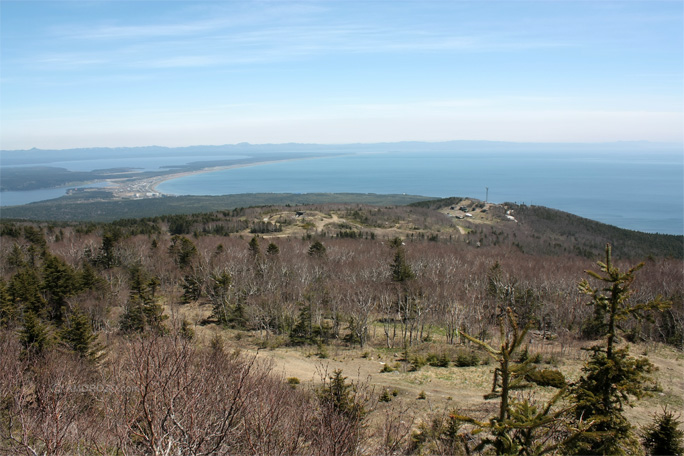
175,74
673,144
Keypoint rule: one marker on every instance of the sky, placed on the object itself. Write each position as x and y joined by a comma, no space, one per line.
176,73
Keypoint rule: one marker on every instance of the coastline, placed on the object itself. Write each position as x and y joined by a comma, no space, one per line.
147,187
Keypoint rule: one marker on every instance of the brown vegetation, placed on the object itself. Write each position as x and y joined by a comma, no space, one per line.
348,287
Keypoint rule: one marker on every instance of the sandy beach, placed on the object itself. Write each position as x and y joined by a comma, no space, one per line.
147,187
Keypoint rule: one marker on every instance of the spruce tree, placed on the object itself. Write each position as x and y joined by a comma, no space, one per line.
8,309
78,335
60,281
317,249
24,289
664,436
254,247
302,332
34,336
401,271
219,294
142,310
272,249
183,250
521,427
611,377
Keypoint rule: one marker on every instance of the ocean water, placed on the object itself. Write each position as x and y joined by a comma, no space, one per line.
16,198
633,190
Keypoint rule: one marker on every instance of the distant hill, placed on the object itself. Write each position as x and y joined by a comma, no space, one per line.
75,208
541,230
533,230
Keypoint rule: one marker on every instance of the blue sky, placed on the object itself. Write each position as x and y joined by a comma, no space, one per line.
132,73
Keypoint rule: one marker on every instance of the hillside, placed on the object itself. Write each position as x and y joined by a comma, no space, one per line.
330,327
531,229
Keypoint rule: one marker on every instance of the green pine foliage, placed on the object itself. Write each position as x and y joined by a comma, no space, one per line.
401,271
142,311
521,427
24,289
60,282
611,377
317,249
219,293
272,249
192,288
34,336
342,396
77,334
254,248
664,436
8,309
182,250
304,331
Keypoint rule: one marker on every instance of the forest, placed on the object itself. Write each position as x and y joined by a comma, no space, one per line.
341,329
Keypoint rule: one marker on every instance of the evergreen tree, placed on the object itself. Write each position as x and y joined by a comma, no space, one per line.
36,237
78,335
60,282
664,436
341,396
142,311
186,330
106,257
34,336
303,331
16,256
133,318
88,278
401,271
272,249
317,249
520,427
611,377
219,294
140,316
192,289
183,250
254,247
24,289
8,310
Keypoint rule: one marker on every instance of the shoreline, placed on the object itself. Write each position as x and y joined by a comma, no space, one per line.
149,185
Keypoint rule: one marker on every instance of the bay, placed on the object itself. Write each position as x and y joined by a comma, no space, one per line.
16,198
630,189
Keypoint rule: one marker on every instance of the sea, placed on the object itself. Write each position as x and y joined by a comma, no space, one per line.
631,189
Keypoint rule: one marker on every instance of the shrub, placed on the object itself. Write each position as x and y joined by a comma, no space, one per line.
385,396
438,360
386,368
546,377
293,381
417,362
467,359
663,436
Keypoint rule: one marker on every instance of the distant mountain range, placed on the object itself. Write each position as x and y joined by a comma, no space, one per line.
42,156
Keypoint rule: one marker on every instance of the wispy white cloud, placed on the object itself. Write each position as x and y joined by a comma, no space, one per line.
235,40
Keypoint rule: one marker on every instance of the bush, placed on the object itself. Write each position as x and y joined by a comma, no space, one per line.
417,362
663,436
546,377
386,368
467,359
293,381
438,360
385,396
